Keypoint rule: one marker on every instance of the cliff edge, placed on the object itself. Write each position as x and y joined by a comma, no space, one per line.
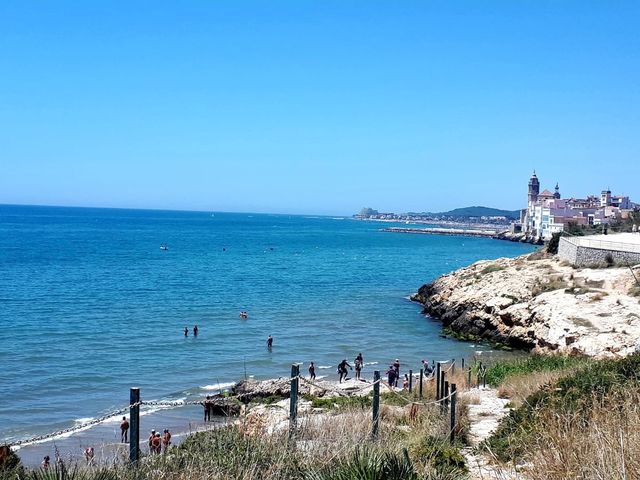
539,304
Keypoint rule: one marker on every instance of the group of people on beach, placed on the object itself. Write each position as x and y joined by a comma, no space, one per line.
159,443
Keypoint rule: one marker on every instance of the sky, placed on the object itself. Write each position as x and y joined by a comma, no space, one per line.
317,107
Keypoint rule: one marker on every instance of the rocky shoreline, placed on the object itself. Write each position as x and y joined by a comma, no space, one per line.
538,303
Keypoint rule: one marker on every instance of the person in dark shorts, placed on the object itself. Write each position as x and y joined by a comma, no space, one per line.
342,369
269,341
357,364
312,371
124,430
396,365
207,409
392,376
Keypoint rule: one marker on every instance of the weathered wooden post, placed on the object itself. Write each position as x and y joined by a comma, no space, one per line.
469,378
438,381
484,377
410,381
134,425
453,366
454,401
462,363
443,376
421,380
293,400
376,403
446,394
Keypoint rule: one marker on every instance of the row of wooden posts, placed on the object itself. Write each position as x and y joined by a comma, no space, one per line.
446,396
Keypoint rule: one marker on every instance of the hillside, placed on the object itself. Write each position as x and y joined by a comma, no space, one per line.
478,211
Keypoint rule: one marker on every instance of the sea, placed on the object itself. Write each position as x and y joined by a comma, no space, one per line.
90,306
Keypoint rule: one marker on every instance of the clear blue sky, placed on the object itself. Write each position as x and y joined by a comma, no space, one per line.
316,107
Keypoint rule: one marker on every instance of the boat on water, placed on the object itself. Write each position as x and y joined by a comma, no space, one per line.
164,247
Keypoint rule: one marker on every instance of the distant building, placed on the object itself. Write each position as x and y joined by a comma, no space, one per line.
547,213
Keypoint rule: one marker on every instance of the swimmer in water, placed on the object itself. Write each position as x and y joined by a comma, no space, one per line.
269,341
186,332
195,330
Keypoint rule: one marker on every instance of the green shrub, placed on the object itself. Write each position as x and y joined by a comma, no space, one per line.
368,464
573,394
441,456
501,370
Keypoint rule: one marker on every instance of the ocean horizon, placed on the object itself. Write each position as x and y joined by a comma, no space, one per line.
91,305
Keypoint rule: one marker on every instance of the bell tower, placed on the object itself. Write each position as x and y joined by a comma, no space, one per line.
534,188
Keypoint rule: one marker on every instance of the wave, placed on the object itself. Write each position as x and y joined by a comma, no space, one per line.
218,386
324,367
371,363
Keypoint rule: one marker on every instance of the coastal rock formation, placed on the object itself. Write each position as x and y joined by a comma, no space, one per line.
539,304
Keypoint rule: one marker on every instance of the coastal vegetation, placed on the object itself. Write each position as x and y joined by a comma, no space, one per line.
578,425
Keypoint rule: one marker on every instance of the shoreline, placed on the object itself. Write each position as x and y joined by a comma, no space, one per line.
480,232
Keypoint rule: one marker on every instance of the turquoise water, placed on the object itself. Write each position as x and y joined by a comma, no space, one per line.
90,305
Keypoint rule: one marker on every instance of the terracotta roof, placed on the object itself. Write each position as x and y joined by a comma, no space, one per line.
546,193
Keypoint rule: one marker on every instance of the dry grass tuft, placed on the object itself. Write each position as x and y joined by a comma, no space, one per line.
602,447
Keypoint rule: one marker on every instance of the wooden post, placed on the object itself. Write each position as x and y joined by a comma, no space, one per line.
454,401
421,380
462,363
134,425
484,377
469,379
410,381
443,376
293,400
453,366
437,381
446,394
376,403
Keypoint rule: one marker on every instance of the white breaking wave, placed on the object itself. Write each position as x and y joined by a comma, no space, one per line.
218,386
324,367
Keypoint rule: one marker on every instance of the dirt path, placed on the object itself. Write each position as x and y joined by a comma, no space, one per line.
485,412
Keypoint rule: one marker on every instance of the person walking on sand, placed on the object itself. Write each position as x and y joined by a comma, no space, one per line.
358,366
166,439
157,444
124,430
150,440
207,409
88,455
396,365
391,376
195,330
269,341
312,371
342,369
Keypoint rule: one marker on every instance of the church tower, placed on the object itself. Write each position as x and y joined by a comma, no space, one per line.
534,188
557,194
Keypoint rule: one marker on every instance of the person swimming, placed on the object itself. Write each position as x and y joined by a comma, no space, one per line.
195,330
244,314
186,332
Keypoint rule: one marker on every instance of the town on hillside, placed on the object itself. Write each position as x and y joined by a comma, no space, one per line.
548,213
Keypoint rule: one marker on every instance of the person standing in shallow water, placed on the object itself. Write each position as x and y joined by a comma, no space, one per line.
195,330
186,332
342,369
269,341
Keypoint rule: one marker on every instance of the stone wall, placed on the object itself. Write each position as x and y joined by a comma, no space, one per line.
582,256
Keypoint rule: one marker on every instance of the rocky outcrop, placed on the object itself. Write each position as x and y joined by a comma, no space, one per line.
538,304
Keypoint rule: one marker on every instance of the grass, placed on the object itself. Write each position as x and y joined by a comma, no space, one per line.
502,370
553,283
412,444
573,398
